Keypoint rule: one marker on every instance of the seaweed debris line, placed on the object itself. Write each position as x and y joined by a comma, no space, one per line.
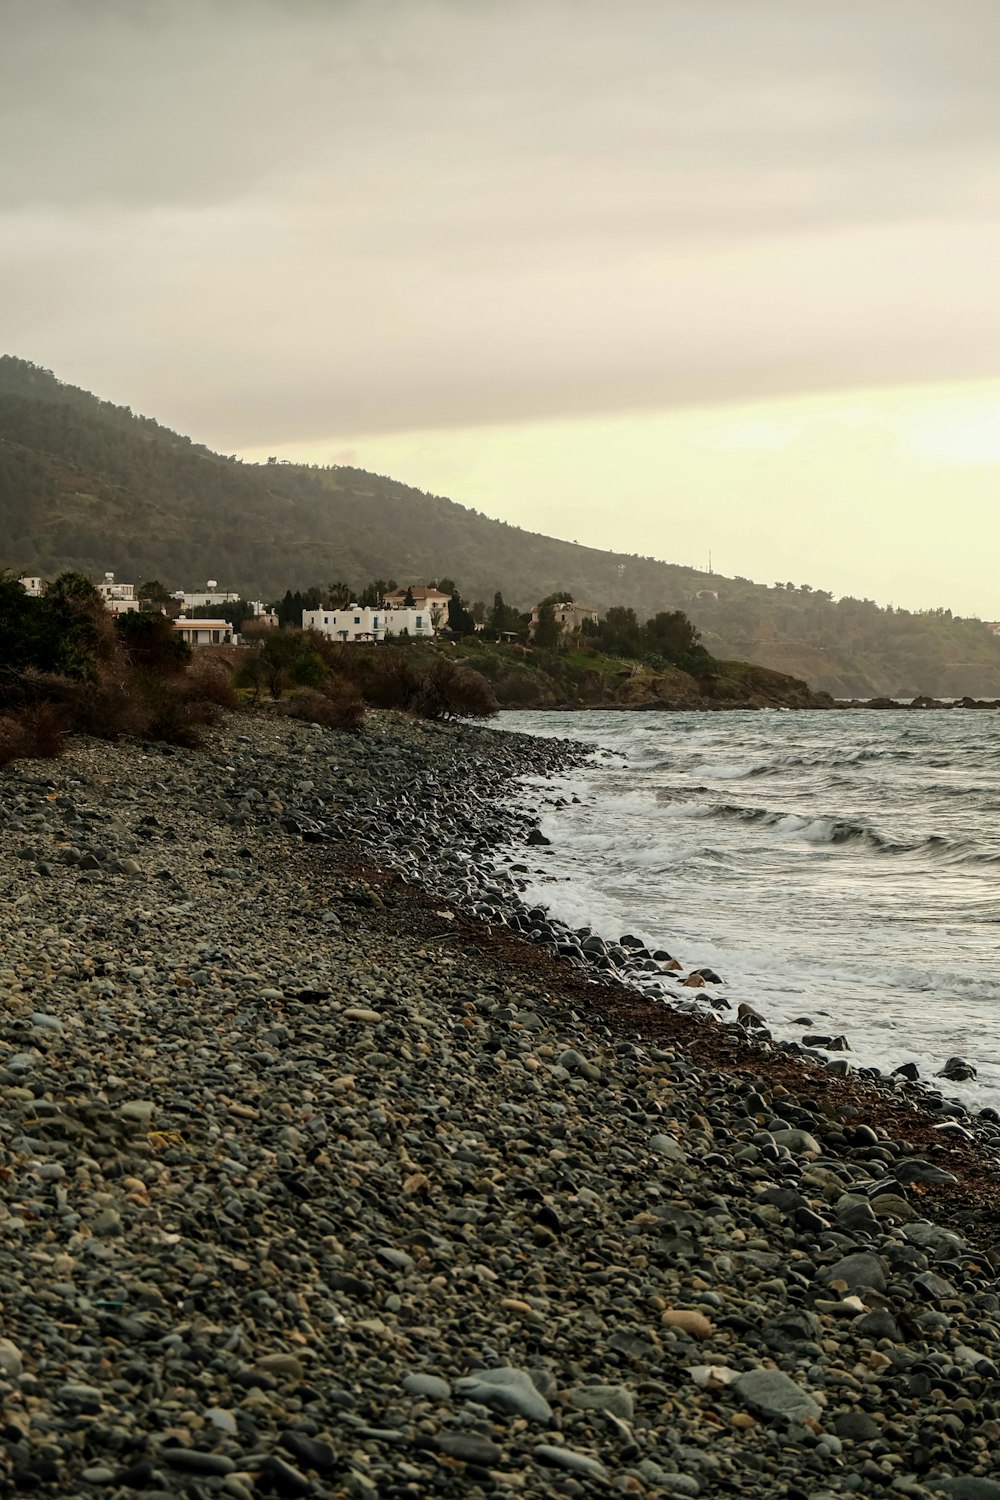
316,1183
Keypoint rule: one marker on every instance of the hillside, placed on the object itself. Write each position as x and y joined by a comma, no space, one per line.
89,485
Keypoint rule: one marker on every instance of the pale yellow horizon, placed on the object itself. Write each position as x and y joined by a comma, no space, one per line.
888,493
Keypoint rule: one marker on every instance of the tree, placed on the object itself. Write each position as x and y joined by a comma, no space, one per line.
447,586
152,643
409,601
152,592
502,618
460,621
620,633
373,594
546,632
671,635
340,595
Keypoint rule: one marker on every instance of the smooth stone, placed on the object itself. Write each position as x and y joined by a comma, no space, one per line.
862,1269
470,1448
11,1359
568,1458
508,1390
283,1479
288,1365
856,1426
42,1021
689,1321
933,1237
969,1487
106,1224
772,1394
665,1145
797,1140
431,1386
138,1110
194,1461
613,1398
312,1452
223,1420
879,1324
359,1013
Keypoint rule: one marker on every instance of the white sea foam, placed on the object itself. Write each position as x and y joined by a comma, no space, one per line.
867,904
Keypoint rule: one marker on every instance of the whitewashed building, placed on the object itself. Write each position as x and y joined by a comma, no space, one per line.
31,586
212,598
119,598
204,632
351,622
358,622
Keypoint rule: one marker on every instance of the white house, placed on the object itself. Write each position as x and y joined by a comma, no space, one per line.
428,601
357,622
351,622
213,597
204,632
119,598
31,586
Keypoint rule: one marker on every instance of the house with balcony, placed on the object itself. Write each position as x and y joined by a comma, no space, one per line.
119,598
358,622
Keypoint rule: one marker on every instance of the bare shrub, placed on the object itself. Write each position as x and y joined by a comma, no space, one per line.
211,680
386,677
13,739
168,712
107,707
35,733
452,691
338,706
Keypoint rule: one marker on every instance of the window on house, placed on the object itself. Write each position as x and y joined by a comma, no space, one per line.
357,619
420,622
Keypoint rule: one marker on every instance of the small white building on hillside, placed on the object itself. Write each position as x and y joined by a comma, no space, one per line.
204,632
31,586
359,622
213,597
119,598
351,622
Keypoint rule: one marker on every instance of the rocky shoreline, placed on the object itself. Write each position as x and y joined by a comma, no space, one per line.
320,1180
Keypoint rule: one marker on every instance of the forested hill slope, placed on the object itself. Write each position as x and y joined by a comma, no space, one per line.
85,484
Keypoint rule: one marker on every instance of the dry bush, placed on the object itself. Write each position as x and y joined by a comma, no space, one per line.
35,733
386,677
210,678
13,739
107,708
338,706
452,691
168,712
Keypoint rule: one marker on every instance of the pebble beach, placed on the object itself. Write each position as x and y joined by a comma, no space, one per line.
328,1172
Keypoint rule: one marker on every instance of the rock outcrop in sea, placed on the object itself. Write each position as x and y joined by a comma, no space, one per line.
319,1179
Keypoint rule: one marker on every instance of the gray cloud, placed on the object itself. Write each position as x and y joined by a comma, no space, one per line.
270,221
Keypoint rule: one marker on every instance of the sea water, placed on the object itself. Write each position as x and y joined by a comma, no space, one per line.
839,870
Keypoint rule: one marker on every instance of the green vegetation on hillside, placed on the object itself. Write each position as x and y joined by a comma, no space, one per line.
88,486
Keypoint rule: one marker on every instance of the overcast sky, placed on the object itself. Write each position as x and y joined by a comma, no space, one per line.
679,276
